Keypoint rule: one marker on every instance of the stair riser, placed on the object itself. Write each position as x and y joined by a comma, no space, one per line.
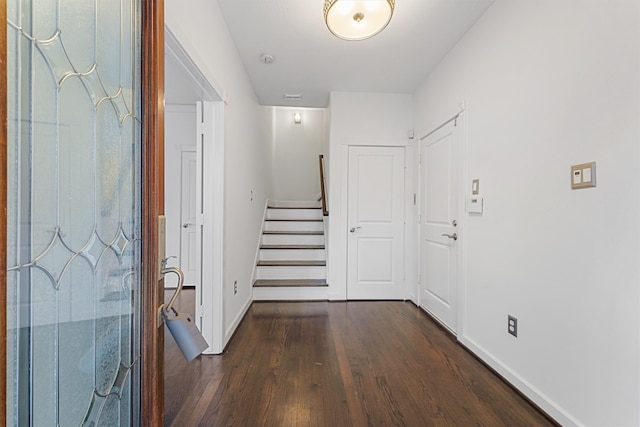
288,239
274,213
293,226
291,273
290,294
292,254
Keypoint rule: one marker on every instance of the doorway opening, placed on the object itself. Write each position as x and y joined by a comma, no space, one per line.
194,160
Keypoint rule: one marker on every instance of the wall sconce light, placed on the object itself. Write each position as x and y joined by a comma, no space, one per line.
297,118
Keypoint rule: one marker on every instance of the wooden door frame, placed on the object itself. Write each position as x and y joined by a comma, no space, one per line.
152,294
152,381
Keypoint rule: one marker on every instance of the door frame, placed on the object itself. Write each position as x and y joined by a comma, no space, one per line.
210,218
152,335
152,330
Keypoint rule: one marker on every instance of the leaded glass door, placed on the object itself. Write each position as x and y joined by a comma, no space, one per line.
74,212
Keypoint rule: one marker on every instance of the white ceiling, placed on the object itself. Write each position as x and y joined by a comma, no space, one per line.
312,62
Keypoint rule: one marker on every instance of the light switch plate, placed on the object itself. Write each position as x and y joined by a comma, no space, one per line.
583,175
475,187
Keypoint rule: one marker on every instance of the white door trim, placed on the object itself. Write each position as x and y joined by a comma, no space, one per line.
209,304
211,221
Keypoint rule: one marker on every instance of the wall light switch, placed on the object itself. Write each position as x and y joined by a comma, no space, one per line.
577,177
583,175
475,187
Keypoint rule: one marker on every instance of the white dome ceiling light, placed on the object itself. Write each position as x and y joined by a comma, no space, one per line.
357,19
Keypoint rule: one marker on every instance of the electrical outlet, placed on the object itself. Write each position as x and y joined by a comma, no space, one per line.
512,326
235,287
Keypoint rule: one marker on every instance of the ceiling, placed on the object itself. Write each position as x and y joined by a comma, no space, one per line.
310,61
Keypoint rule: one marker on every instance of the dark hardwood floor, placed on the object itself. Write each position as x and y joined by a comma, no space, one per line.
339,364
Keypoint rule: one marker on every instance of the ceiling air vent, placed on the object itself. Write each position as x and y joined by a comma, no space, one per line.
292,97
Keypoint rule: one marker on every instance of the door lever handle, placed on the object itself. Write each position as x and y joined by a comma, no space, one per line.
353,229
187,225
453,236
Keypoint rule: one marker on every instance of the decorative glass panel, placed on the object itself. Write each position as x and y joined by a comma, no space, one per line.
73,238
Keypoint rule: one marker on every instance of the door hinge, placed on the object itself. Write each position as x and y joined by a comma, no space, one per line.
414,199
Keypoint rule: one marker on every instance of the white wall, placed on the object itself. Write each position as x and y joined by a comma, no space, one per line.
180,133
549,84
295,157
201,30
360,119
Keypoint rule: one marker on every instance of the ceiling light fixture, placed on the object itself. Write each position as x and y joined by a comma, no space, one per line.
357,19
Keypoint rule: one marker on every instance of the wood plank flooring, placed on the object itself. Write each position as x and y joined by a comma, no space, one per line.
339,364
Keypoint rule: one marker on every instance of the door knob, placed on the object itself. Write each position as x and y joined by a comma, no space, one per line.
453,236
187,225
353,229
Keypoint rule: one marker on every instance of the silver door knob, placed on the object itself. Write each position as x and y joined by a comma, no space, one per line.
187,225
453,236
353,229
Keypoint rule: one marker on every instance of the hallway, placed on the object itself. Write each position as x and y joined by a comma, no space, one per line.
321,364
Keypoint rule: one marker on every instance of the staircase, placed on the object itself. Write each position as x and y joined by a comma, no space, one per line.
292,260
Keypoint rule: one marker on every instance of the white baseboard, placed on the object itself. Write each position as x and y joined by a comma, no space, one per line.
540,399
336,296
236,322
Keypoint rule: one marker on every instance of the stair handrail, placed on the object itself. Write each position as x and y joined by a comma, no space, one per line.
323,191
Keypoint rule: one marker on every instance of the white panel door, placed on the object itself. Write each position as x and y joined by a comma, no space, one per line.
188,210
438,224
375,223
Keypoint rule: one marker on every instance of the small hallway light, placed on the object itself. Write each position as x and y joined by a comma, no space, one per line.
297,118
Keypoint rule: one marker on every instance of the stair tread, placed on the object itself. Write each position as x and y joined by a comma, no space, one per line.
303,263
293,220
292,247
289,283
295,233
294,207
